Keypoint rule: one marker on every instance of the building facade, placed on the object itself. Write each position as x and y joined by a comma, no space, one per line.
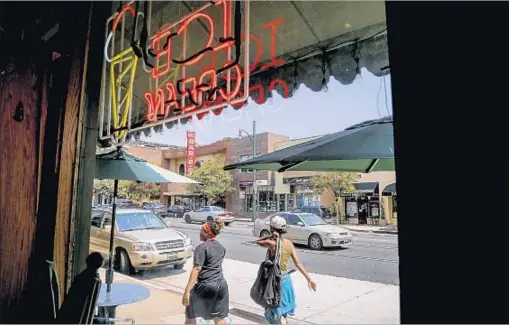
275,191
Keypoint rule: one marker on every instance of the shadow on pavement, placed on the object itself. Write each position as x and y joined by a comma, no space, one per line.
159,273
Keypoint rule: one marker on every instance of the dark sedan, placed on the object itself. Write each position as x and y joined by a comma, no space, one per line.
177,211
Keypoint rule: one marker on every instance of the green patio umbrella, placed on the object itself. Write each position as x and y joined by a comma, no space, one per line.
364,148
120,165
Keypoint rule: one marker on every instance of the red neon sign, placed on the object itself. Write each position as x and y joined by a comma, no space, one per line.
202,91
191,151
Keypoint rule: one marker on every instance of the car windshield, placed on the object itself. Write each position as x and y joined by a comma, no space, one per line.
138,221
217,209
312,219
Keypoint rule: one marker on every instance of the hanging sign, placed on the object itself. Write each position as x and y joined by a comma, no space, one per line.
190,152
197,64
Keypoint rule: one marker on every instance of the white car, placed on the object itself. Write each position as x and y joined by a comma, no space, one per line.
204,213
307,229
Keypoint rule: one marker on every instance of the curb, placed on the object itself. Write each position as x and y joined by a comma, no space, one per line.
248,220
386,232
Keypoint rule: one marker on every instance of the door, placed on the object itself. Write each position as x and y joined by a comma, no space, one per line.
296,229
103,234
201,214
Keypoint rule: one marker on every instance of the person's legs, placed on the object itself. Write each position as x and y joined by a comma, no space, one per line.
221,305
190,321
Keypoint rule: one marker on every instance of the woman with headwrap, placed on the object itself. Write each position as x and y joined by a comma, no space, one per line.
287,250
206,294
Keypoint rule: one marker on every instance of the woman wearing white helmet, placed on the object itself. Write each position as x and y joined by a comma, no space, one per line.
287,306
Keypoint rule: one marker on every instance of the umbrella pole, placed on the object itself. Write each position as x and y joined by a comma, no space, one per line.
109,278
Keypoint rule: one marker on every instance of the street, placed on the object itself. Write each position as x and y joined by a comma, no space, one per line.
371,257
358,284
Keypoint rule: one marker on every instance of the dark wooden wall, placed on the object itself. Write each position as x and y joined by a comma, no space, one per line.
42,113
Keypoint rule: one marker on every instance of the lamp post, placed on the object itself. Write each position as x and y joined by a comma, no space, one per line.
253,142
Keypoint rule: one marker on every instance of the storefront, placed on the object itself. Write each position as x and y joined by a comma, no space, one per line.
266,198
364,204
301,193
390,196
192,202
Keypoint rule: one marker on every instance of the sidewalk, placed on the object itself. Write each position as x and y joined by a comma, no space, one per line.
390,230
338,300
164,306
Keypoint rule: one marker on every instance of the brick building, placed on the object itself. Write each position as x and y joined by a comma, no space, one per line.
276,191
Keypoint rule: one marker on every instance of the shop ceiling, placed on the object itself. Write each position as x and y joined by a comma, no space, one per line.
350,33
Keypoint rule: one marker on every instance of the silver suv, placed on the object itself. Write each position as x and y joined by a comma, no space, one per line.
142,240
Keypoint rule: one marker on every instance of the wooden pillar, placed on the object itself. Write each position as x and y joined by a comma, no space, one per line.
41,125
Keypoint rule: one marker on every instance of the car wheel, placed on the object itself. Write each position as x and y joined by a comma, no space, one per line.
124,264
315,242
178,266
264,233
187,218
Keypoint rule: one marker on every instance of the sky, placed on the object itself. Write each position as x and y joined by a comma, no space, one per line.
305,114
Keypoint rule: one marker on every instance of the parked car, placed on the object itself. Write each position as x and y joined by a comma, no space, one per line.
157,208
142,240
307,229
320,211
177,211
201,215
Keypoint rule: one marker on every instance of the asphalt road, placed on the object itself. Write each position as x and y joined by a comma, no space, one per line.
371,257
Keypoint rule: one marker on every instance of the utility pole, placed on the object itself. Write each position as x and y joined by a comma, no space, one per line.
255,194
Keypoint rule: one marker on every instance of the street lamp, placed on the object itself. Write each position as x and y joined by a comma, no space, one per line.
253,142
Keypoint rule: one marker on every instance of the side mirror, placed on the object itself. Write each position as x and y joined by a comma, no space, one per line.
300,224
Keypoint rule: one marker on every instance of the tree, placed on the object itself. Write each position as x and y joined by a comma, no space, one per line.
216,183
138,191
128,189
103,187
337,183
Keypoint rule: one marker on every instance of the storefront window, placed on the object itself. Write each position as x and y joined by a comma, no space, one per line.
282,202
291,202
190,202
267,200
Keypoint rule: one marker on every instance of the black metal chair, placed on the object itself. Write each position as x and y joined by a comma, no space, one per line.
78,306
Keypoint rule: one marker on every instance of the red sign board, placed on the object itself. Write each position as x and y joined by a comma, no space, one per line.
190,152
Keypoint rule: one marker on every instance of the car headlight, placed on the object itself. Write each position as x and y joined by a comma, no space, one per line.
187,240
142,247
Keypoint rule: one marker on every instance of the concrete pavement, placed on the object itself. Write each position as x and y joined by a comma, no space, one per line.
164,306
337,300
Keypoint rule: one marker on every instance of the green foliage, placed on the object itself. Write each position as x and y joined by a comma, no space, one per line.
103,187
337,183
216,183
128,189
142,191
